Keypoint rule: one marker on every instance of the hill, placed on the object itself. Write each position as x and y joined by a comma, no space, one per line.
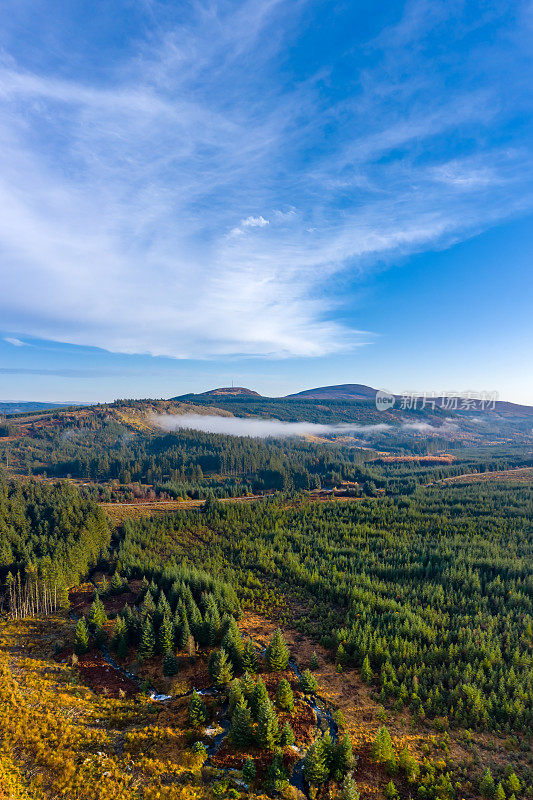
344,391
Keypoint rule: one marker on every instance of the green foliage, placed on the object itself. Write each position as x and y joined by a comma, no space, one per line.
240,731
249,656
284,696
81,638
277,652
341,758
267,725
170,664
166,635
287,736
315,764
382,750
220,668
391,792
349,789
197,710
308,683
313,664
513,783
249,771
147,643
97,615
487,786
366,670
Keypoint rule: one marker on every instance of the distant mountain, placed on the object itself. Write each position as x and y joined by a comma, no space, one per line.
223,391
27,406
344,391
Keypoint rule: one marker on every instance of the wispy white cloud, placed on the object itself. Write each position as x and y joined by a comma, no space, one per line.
14,341
117,196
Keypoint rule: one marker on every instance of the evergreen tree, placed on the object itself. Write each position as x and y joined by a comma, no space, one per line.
119,632
185,631
166,635
248,771
308,683
220,668
116,583
247,685
122,647
81,638
486,785
147,643
348,789
513,783
233,645
267,725
366,670
170,664
500,792
197,710
276,777
315,767
259,695
286,736
391,792
240,731
342,758
284,696
382,750
97,615
313,664
249,656
277,652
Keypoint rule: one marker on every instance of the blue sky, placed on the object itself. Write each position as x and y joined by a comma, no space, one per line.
283,194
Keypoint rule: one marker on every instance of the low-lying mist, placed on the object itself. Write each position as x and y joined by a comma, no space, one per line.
263,428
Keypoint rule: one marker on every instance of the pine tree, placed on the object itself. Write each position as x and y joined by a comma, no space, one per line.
342,757
287,736
382,750
166,635
119,631
197,710
486,785
147,643
97,615
284,696
247,685
122,647
366,670
276,777
267,725
116,583
249,656
170,664
500,792
220,668
348,789
391,792
315,767
233,645
308,683
277,652
313,664
248,771
235,694
513,783
240,731
408,764
81,638
185,631
259,695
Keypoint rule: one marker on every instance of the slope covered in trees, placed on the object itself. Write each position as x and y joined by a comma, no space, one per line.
434,593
